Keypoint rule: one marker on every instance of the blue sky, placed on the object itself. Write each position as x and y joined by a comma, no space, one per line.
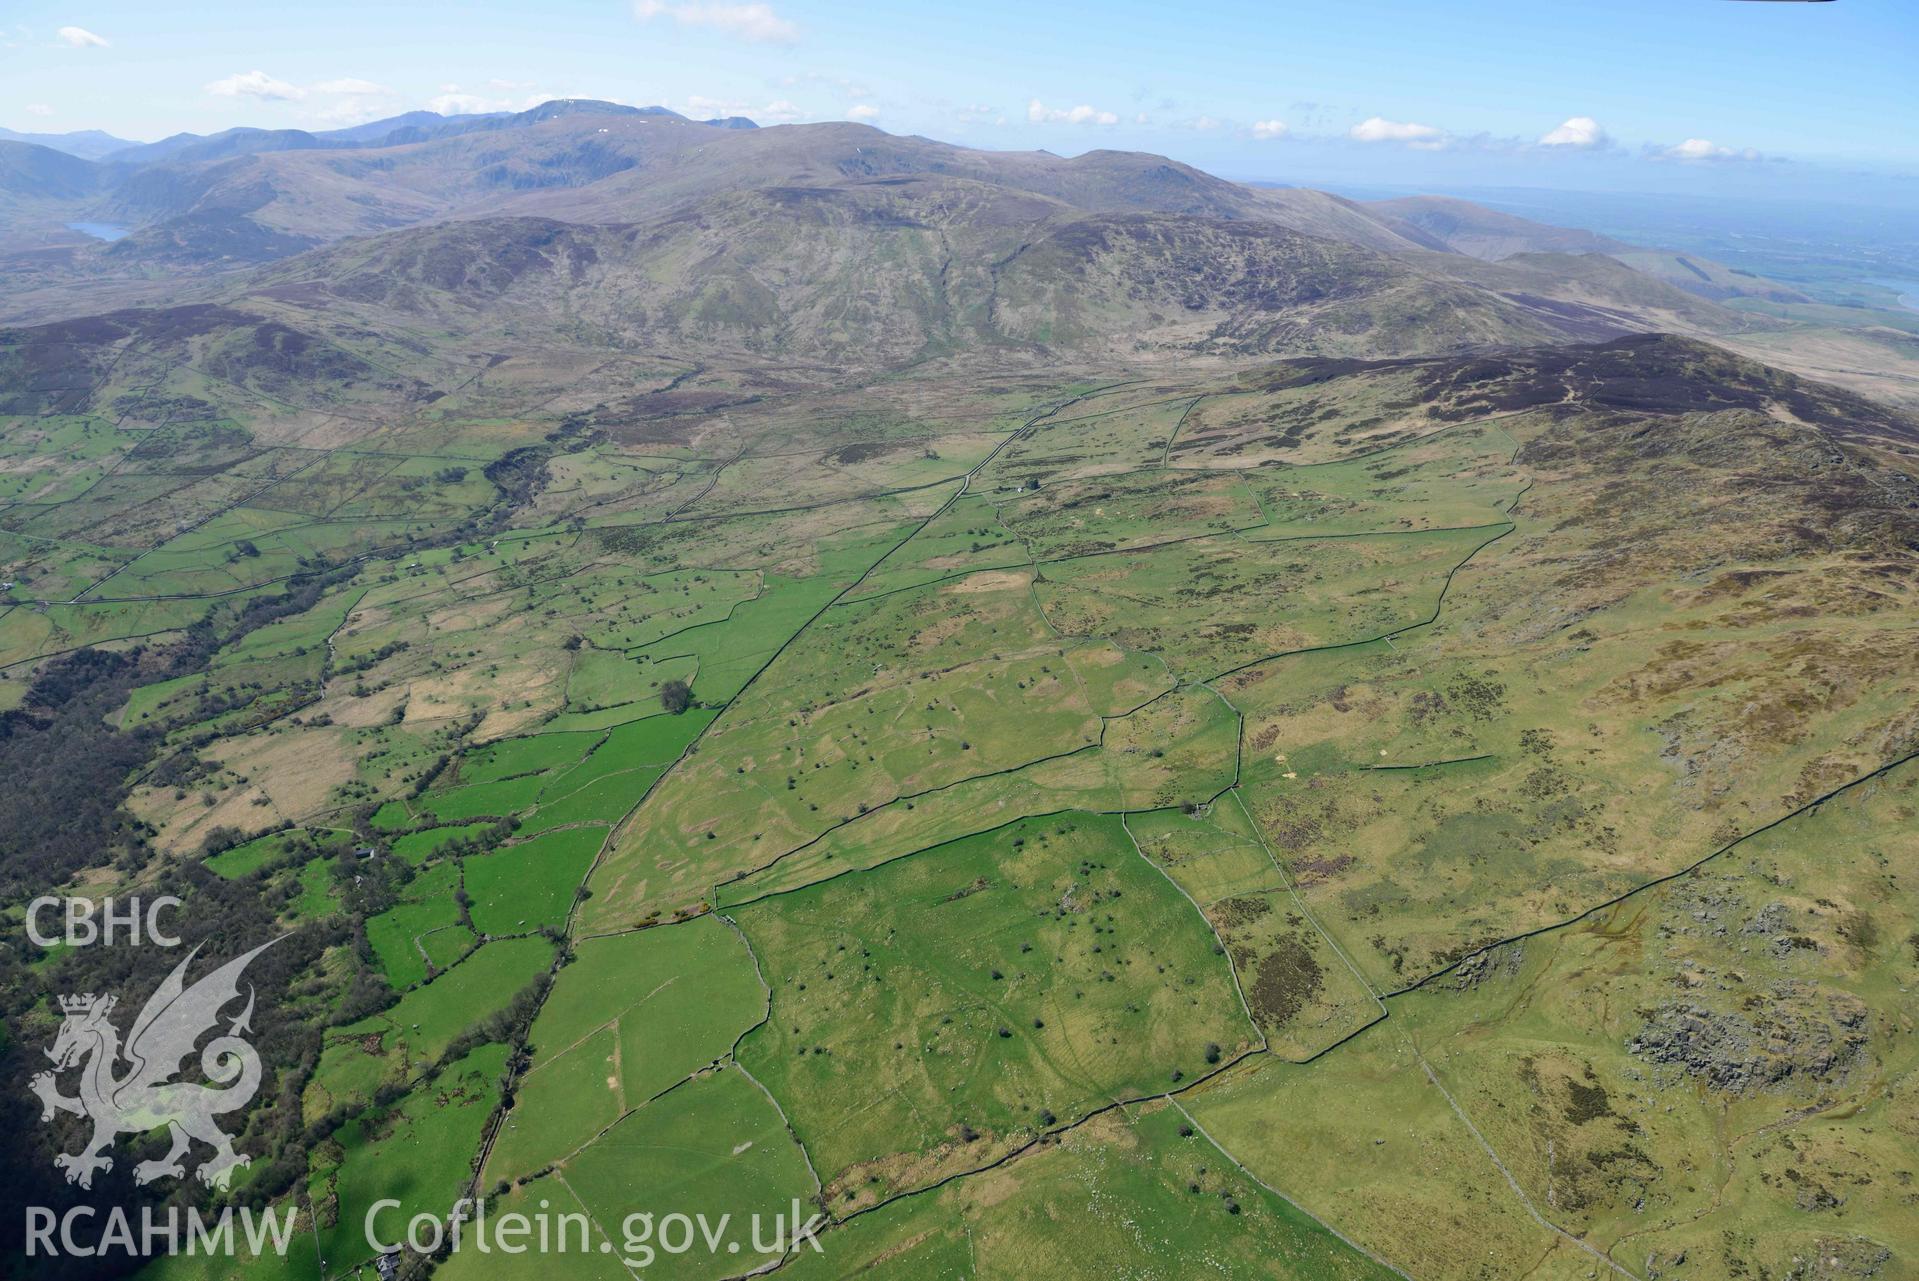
1679,95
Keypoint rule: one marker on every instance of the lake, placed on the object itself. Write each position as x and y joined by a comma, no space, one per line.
1908,291
98,230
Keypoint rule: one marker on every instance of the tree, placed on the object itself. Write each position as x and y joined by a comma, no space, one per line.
676,696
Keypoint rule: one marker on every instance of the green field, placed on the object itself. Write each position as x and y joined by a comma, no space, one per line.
715,1146
630,1018
530,884
418,1153
1144,1194
396,1045
940,1011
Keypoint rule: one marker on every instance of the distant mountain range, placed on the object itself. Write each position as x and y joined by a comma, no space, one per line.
833,243
411,126
88,144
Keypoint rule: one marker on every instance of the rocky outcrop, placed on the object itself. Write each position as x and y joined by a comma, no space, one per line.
1739,1052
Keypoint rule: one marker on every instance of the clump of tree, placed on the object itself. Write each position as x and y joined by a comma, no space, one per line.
67,770
676,696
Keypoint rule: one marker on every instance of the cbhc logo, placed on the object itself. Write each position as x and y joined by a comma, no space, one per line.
85,923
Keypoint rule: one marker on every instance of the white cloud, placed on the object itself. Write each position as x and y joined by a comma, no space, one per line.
81,38
1040,114
1378,129
1269,128
455,103
256,84
1142,119
39,109
1698,149
864,111
342,100
1580,132
1205,124
755,22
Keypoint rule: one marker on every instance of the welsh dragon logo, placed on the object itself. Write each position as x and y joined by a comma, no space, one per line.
143,1097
